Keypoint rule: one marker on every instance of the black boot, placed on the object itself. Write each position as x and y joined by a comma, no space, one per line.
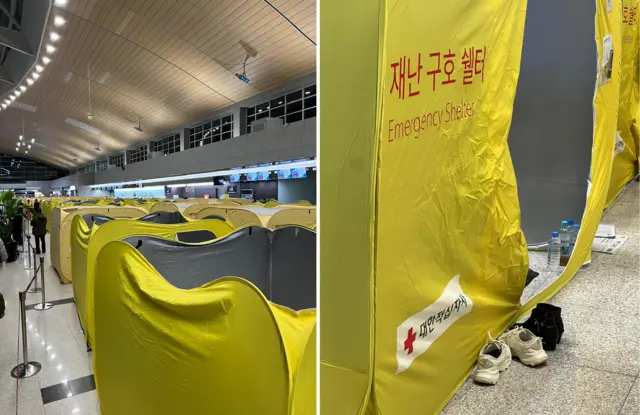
556,313
542,324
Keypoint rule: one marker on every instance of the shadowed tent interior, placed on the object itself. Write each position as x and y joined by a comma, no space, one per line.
164,217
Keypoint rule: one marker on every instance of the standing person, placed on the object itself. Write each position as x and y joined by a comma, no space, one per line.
36,205
3,258
39,224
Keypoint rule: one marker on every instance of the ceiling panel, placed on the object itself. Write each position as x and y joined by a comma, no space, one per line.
166,62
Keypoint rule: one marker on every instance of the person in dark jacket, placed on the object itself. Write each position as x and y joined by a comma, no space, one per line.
36,205
39,224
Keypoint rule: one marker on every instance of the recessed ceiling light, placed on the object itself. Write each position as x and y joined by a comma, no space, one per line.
46,60
35,75
26,152
54,36
59,21
12,97
23,88
29,146
4,106
33,140
17,149
39,68
29,81
20,138
50,48
60,3
7,101
18,93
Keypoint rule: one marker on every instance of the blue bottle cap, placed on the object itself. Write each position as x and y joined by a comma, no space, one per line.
570,221
554,234
564,224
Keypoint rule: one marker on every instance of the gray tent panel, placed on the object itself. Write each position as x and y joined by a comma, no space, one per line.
96,219
244,254
293,267
194,237
166,218
552,128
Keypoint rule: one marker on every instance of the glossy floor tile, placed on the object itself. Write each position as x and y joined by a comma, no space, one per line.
65,385
594,371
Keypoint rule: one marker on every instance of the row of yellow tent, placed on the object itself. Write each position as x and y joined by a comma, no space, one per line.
207,349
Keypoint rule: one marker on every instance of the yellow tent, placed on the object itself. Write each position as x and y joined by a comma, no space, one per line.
262,216
422,250
199,343
164,207
61,219
87,242
625,162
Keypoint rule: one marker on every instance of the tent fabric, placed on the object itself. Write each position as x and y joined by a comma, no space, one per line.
95,219
164,217
84,257
444,258
303,217
164,207
625,153
200,344
61,219
237,216
282,266
253,215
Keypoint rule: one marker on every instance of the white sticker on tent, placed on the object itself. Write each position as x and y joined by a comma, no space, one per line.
422,329
620,146
606,69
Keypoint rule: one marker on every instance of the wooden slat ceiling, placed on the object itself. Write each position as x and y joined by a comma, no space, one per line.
168,62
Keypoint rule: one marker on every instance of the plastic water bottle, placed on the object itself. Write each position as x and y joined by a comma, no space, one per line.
565,241
553,251
573,235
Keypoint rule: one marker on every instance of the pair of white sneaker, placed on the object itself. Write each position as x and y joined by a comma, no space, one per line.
495,357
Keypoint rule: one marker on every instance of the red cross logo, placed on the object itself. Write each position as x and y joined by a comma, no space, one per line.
408,343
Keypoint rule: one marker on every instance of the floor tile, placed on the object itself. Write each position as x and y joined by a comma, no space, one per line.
599,339
75,405
632,404
32,407
550,390
603,286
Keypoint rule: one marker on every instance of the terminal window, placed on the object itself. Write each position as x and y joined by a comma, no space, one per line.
137,155
167,145
218,129
116,160
293,107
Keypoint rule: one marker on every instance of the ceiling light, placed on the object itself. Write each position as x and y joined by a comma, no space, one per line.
46,60
8,102
35,75
59,21
54,36
29,81
23,88
12,97
33,140
4,106
18,93
20,138
26,152
17,149
50,48
60,3
39,68
29,146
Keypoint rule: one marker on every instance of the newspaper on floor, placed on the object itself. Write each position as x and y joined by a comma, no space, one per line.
606,231
608,245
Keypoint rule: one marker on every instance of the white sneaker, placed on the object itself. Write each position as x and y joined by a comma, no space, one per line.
494,358
525,345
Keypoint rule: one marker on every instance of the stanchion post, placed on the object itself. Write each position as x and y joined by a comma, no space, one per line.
25,369
35,288
44,305
29,250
